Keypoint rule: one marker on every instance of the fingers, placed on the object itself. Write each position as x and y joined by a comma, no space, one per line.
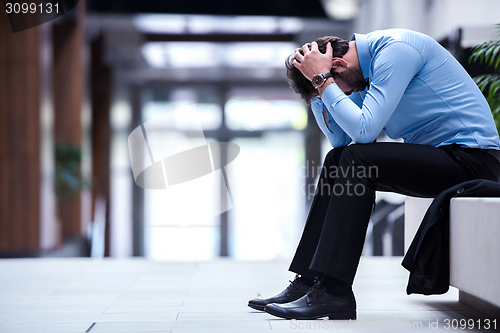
313,47
305,48
299,57
296,63
329,49
307,57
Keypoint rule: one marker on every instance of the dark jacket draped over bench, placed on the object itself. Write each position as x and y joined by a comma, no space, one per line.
428,257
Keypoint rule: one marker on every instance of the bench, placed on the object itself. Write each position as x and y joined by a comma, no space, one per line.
474,247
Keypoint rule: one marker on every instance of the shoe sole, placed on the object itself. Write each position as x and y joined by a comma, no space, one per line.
256,306
333,316
343,315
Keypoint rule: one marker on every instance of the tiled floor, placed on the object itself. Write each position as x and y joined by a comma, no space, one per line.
137,295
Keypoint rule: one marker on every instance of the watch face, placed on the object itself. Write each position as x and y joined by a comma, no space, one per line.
317,80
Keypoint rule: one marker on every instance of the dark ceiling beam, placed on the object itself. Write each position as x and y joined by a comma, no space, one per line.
223,38
298,8
272,84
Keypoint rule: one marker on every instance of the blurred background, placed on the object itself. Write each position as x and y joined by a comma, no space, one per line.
73,89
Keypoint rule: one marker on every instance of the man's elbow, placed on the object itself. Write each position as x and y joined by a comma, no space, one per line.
364,137
340,141
366,132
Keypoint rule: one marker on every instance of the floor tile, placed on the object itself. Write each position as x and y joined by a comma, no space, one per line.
138,295
46,328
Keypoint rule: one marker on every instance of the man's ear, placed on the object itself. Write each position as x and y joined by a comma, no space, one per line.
337,63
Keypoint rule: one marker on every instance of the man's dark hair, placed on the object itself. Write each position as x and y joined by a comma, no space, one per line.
297,80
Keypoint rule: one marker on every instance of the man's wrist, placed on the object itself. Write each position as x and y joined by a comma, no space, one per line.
319,79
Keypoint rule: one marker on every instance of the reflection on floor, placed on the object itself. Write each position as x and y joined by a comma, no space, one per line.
137,295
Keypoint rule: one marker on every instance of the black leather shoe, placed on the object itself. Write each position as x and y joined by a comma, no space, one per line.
295,290
316,303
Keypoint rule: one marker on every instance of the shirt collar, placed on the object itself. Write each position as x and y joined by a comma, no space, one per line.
364,55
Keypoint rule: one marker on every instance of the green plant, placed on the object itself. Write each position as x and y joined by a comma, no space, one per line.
489,53
68,180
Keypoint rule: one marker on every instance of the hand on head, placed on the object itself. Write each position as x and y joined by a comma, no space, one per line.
311,61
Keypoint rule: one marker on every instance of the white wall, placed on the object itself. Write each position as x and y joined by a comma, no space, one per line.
437,18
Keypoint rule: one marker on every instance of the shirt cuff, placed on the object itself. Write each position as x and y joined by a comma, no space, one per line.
316,105
332,95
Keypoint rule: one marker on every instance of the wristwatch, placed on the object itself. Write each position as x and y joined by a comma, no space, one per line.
319,80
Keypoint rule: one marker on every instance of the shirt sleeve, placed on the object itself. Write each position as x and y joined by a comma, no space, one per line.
393,69
335,135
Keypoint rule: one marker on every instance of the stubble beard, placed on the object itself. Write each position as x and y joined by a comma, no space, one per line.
352,77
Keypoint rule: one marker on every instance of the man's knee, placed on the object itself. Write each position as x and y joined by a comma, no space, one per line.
359,159
352,152
332,158
357,152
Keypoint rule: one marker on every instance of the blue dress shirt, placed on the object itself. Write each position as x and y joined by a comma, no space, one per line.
417,91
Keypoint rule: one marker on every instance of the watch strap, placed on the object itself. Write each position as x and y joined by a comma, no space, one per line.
324,76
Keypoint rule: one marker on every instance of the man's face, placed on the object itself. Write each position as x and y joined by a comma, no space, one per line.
350,80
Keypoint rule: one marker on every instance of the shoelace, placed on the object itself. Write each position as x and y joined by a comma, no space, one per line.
292,283
317,285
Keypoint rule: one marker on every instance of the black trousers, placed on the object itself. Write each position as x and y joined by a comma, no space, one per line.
335,230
